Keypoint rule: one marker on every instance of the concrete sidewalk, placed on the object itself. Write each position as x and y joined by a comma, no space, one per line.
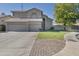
71,48
16,43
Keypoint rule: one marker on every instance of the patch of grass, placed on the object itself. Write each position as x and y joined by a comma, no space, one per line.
51,35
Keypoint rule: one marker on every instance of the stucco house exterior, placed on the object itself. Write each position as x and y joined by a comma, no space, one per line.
3,18
28,20
59,27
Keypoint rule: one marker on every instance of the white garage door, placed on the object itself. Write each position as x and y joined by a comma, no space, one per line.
17,27
32,26
35,26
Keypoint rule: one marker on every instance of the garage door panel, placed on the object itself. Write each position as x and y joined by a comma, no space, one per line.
26,26
35,27
17,27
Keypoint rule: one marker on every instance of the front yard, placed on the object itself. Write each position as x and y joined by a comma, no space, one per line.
48,43
51,35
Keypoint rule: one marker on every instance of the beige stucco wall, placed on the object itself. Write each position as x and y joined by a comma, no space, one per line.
58,27
61,27
3,19
28,14
48,22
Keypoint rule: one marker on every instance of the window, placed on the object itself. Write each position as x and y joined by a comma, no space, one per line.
34,15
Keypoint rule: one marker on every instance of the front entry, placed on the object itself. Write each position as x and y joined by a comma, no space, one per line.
43,24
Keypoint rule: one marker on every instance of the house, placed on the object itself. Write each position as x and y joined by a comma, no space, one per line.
2,21
28,20
59,27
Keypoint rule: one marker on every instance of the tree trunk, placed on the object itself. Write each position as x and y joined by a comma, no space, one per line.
65,26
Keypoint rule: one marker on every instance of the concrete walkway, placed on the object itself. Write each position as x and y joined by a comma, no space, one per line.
71,48
16,43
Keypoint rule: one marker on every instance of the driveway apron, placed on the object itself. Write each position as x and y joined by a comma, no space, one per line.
16,43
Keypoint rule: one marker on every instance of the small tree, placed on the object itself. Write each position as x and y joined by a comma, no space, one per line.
77,9
65,14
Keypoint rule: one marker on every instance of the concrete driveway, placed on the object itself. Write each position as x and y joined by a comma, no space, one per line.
16,43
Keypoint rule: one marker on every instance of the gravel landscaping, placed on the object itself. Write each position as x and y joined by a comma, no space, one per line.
47,47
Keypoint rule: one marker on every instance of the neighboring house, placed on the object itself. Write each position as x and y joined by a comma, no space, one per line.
59,27
76,26
29,20
2,21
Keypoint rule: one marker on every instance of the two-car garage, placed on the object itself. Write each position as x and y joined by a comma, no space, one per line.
17,27
23,26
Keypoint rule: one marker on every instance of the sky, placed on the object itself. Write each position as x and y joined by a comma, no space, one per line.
47,8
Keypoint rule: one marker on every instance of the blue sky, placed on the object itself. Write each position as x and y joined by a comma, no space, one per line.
47,8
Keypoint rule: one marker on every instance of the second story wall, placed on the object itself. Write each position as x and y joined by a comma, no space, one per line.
32,13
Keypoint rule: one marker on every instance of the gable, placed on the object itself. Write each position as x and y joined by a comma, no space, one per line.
32,13
35,13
